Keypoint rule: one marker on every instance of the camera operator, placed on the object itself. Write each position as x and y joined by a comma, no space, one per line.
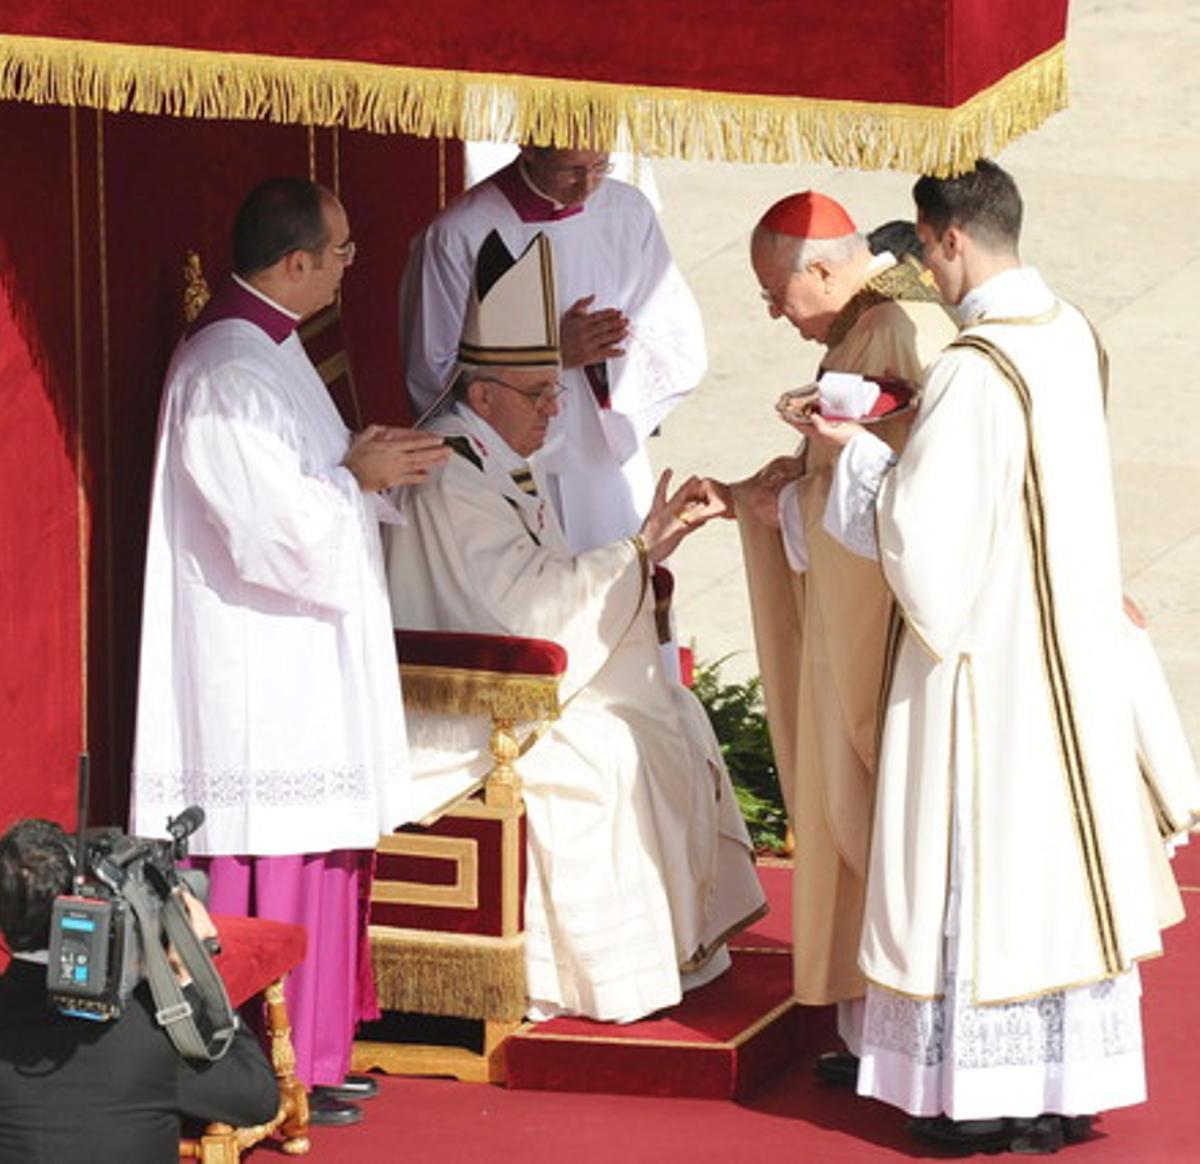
79,1091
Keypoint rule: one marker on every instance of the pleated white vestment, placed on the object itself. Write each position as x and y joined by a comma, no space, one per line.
268,691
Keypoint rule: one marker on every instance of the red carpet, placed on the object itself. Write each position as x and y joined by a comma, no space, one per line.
792,1119
725,1040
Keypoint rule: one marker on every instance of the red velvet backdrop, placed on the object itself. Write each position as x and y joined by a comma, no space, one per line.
94,226
932,52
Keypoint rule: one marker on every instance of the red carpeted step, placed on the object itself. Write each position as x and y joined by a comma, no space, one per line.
794,1118
723,1041
1187,865
720,1042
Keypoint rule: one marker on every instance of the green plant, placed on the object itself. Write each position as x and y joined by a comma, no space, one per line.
739,720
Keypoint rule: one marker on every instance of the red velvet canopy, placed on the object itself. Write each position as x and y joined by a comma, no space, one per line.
914,84
103,197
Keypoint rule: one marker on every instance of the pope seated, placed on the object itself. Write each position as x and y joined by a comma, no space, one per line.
639,863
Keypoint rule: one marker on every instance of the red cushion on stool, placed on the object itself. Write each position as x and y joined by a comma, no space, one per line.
255,952
506,654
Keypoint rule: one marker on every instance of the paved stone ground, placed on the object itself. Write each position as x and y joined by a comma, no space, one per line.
1112,194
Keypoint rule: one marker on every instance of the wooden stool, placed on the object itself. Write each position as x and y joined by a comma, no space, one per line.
255,958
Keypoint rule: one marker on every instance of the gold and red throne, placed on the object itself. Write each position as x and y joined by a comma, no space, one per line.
446,909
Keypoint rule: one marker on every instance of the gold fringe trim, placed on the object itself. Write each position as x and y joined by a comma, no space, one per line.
462,975
495,694
687,123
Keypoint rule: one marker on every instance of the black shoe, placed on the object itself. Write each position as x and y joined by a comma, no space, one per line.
1076,1129
838,1068
1038,1137
353,1087
962,1135
325,1111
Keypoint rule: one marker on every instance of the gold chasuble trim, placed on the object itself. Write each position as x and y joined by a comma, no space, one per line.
1167,825
891,652
645,119
1056,672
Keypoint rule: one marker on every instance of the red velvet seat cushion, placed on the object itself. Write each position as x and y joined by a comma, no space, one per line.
255,952
475,652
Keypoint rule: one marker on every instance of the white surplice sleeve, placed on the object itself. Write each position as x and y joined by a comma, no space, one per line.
791,527
292,533
850,508
942,505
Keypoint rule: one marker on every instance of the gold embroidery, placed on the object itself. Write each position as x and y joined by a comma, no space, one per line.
1047,316
1167,825
899,282
891,652
463,691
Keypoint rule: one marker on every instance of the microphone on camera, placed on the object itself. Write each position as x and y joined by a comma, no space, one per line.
187,822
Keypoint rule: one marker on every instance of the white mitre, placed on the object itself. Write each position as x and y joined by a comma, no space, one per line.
512,313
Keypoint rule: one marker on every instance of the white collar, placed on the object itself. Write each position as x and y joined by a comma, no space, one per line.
265,298
38,957
880,262
506,458
537,189
1020,291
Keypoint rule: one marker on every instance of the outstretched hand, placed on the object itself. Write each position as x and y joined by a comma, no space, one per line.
721,493
381,456
760,493
674,515
591,337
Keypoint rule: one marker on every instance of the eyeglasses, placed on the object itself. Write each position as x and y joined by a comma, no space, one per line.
345,251
535,396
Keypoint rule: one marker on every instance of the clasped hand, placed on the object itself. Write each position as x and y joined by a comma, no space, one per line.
382,456
674,515
591,337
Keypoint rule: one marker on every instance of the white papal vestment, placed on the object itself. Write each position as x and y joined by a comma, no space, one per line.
639,861
612,247
1011,887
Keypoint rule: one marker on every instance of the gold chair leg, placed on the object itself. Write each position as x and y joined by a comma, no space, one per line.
293,1126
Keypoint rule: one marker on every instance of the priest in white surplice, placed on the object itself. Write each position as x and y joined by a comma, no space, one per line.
1015,878
632,339
267,691
639,862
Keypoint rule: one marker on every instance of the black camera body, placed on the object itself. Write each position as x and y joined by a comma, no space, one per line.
96,952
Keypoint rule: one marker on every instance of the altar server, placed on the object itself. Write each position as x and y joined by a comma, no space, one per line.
1012,886
632,340
267,690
